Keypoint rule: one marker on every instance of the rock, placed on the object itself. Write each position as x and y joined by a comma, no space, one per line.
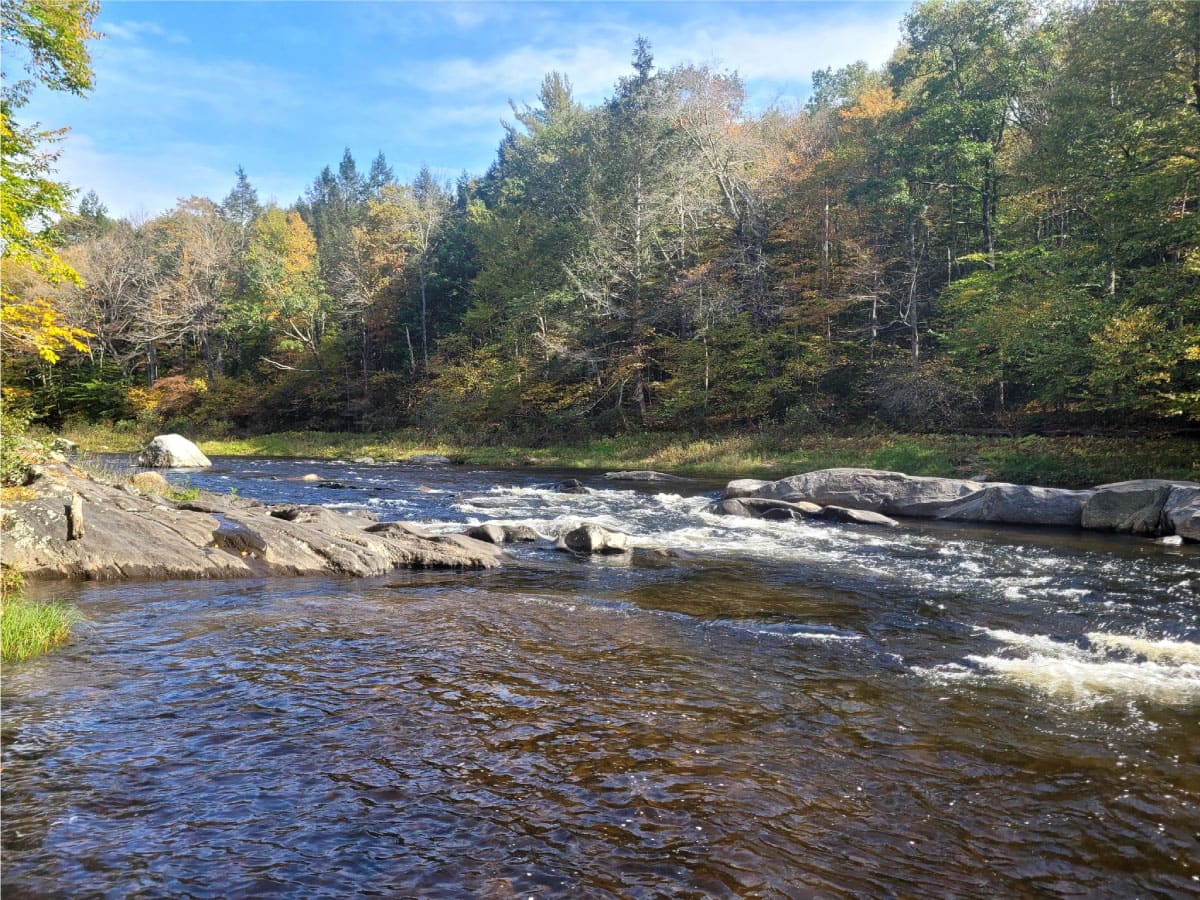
642,475
62,445
1181,512
427,459
311,476
520,534
365,461
488,531
1171,540
570,486
334,485
744,487
134,536
1131,507
858,517
889,492
172,451
150,483
761,508
592,538
1019,504
730,507
897,494
657,557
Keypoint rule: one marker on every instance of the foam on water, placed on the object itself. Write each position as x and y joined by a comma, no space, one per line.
1110,667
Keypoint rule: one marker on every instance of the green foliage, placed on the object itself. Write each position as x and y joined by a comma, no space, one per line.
997,229
14,454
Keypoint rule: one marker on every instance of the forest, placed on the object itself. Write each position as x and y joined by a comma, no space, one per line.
995,231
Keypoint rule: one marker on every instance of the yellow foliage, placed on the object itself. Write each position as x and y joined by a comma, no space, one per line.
873,104
35,326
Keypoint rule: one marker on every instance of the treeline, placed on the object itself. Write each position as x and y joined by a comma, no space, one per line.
996,229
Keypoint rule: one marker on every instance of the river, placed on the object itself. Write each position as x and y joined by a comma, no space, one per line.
793,709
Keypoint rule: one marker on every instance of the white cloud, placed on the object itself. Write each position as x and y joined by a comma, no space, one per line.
153,182
594,59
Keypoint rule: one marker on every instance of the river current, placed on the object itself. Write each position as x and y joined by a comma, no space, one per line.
790,709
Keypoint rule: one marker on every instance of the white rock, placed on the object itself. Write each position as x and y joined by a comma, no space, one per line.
172,451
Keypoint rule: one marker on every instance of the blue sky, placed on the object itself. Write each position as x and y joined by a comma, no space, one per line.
186,92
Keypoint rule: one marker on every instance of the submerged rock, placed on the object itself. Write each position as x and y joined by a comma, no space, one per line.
642,475
427,459
570,486
592,538
172,451
134,536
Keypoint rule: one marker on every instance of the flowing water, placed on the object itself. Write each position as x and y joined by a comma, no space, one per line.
790,710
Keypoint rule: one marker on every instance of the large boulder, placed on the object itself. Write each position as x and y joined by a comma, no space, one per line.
1019,504
172,451
1132,507
592,538
1181,512
744,487
893,493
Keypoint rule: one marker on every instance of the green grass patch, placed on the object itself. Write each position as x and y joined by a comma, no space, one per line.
1048,461
29,628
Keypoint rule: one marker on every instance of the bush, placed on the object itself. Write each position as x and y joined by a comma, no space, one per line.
15,457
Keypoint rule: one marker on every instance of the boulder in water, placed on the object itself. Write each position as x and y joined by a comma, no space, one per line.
520,534
488,531
1181,512
1019,504
1131,507
744,487
570,486
172,451
762,508
592,538
888,492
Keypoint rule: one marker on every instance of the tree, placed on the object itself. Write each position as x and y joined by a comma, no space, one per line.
53,36
285,274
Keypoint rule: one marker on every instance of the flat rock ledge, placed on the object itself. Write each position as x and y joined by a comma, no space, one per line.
1148,507
127,533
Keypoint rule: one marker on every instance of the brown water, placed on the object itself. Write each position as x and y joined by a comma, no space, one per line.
797,710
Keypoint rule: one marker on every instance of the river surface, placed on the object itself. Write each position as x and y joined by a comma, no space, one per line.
793,710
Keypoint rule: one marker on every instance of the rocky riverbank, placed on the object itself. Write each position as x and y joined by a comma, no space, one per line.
74,525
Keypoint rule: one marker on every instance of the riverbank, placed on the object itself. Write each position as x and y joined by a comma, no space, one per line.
1070,462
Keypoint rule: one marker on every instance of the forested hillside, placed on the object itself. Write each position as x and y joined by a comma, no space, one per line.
998,229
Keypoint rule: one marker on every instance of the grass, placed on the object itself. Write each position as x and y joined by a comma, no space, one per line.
1079,461
29,628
